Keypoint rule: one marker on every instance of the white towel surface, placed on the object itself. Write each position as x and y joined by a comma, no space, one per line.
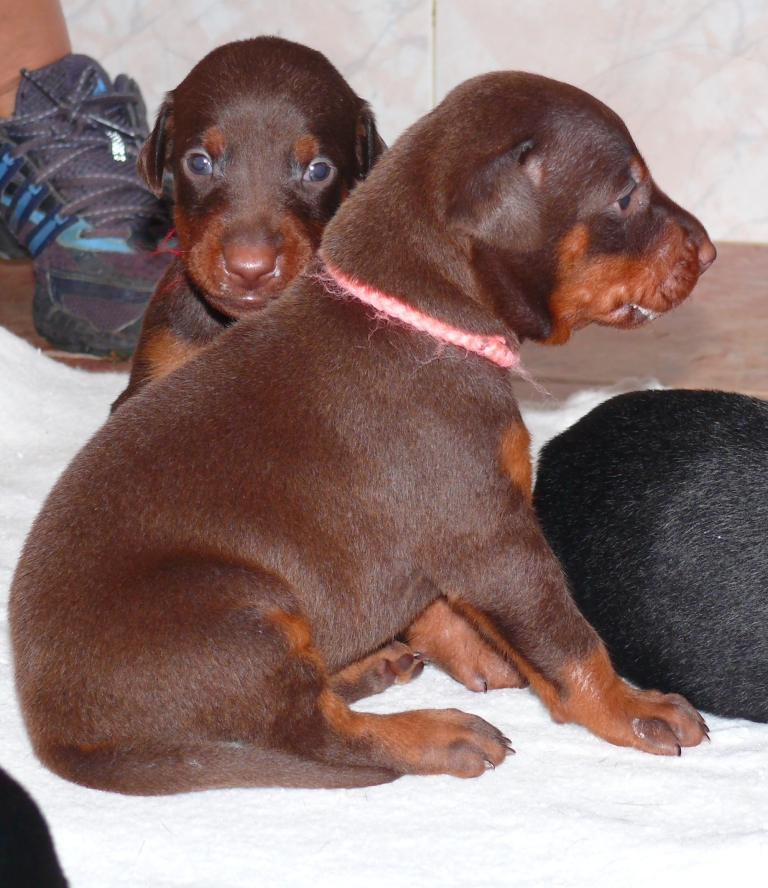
567,810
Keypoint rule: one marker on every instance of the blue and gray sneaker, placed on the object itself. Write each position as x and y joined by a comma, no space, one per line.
70,197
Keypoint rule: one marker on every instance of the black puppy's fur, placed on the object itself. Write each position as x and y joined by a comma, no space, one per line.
656,503
27,856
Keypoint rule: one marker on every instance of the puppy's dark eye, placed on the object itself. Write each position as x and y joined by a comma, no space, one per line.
199,164
319,170
623,202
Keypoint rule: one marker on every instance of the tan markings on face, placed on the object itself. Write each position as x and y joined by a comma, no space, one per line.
201,239
200,242
163,353
515,455
214,141
616,290
305,148
300,239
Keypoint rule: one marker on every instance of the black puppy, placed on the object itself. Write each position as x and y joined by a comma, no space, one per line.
27,857
656,504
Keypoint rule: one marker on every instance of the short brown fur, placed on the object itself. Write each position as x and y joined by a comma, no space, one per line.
261,111
293,499
515,455
165,352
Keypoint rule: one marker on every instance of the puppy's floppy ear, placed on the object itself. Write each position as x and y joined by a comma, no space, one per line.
528,158
155,153
500,207
370,145
498,201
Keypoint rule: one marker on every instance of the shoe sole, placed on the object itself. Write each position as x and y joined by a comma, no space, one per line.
73,334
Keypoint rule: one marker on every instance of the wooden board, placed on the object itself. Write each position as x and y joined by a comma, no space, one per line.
717,339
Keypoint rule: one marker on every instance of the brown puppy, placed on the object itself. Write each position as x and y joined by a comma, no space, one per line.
230,541
264,139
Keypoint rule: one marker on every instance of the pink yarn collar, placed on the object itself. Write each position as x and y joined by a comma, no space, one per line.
494,348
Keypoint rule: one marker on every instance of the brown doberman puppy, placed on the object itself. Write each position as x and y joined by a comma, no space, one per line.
264,139
212,568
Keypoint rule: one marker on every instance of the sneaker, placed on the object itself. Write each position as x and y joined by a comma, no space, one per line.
71,198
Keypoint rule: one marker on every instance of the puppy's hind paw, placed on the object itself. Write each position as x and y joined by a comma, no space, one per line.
454,742
395,663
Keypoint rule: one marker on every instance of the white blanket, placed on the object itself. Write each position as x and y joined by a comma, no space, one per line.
566,810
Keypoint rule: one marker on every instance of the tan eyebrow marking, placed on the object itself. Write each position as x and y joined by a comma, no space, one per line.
305,148
214,141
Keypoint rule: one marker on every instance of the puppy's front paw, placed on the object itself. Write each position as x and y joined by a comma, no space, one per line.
594,696
666,722
446,639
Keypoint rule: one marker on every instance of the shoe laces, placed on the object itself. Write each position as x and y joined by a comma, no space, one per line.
85,147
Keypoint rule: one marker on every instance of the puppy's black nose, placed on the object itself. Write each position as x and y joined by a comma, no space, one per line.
707,254
249,267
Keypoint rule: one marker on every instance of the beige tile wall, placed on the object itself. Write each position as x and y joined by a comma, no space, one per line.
690,78
384,48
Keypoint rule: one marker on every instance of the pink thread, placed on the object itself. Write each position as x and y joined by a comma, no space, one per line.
494,348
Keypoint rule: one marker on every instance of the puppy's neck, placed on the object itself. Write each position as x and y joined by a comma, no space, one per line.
494,348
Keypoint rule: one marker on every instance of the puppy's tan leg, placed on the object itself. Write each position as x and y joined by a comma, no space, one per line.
448,640
525,605
231,692
589,692
392,664
423,741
